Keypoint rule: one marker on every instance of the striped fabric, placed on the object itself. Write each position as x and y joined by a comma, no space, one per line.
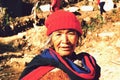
49,60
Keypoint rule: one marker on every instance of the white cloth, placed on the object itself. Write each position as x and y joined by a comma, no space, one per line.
109,5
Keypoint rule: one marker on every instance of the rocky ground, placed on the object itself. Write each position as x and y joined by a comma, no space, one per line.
101,39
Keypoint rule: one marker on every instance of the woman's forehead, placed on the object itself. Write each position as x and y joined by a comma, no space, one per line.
66,30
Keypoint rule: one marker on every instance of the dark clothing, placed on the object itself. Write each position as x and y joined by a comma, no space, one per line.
101,4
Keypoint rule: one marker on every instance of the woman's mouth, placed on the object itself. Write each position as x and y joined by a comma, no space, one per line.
66,48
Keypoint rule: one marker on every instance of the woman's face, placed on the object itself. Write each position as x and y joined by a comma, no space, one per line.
64,41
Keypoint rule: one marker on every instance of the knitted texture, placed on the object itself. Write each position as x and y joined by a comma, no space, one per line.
62,20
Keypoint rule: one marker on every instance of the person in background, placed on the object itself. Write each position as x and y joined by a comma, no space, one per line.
105,5
58,60
101,4
56,4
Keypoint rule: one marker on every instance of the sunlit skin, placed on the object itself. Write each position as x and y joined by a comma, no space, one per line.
64,41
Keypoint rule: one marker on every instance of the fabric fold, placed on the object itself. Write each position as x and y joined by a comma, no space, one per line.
49,60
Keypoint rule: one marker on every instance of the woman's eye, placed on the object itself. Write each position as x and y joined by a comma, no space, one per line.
71,33
58,34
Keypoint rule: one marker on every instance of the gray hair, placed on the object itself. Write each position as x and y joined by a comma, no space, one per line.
48,43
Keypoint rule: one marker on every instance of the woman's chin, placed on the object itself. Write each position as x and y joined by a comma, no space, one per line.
65,52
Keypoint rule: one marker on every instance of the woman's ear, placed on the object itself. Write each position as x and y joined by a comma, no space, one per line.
79,41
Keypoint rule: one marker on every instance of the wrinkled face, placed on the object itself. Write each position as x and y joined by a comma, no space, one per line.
64,41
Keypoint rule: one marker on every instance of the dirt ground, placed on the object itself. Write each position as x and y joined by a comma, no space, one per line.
103,42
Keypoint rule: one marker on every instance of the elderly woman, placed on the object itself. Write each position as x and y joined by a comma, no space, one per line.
59,61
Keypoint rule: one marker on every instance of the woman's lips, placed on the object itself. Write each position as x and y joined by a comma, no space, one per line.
66,48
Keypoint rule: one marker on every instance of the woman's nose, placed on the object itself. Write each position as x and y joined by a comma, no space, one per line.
64,39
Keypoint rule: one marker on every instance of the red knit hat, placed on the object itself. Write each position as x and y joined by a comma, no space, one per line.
62,20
